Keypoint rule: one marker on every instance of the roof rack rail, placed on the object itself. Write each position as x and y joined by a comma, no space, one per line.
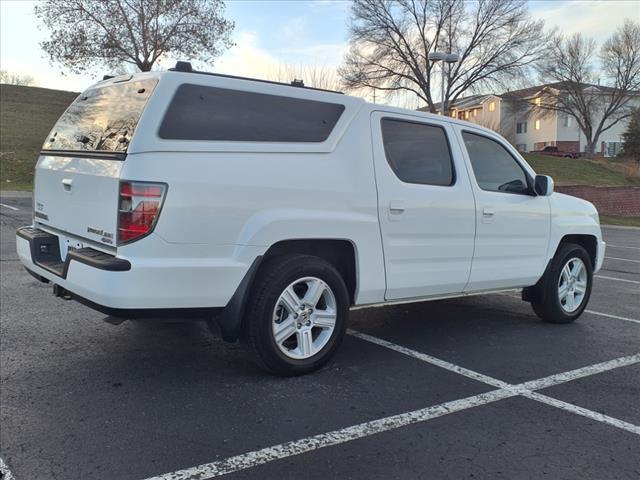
187,68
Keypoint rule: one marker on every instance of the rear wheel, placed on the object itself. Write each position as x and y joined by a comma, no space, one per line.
566,287
297,314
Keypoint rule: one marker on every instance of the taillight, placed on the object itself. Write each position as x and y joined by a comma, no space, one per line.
138,209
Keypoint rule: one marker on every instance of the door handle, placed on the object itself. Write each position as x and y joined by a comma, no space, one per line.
67,183
488,212
396,207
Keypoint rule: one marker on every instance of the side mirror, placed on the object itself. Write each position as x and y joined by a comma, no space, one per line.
543,185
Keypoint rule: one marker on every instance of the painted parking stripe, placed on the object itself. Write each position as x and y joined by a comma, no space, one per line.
432,360
9,206
569,407
618,279
582,372
526,389
622,259
622,246
617,317
336,437
5,473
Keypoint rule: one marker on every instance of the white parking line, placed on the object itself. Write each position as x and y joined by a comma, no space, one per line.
618,279
622,259
432,360
622,246
569,407
12,208
617,317
5,473
336,437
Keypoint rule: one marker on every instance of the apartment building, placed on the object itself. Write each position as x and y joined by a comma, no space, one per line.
513,115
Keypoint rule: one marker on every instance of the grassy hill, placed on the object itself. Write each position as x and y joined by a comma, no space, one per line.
27,115
580,171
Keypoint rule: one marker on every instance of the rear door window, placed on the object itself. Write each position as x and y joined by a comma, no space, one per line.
417,152
199,112
101,119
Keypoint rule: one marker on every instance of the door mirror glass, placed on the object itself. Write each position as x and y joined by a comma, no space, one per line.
544,185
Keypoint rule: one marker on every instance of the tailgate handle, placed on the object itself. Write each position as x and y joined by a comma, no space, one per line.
67,183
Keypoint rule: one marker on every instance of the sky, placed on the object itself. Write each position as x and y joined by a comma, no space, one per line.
268,33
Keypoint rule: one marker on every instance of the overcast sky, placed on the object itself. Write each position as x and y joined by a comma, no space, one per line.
272,32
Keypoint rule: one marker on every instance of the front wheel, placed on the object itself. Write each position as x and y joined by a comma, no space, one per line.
566,286
297,314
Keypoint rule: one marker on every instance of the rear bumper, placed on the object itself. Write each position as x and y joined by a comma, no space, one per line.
193,285
150,275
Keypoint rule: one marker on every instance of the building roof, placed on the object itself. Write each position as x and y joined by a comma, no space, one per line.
477,100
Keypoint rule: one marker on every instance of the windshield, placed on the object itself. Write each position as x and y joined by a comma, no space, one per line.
101,119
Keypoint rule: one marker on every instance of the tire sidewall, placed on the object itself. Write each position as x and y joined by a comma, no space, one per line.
263,338
564,255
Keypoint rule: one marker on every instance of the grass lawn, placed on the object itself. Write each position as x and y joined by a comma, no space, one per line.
27,115
624,221
578,171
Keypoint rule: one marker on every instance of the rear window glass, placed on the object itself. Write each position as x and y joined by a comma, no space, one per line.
101,119
208,113
417,152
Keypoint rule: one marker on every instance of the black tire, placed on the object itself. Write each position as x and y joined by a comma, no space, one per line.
549,307
274,277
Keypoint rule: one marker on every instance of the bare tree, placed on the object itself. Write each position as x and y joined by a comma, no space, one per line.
88,33
596,98
13,78
390,41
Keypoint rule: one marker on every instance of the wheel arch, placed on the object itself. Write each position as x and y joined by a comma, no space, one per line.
340,253
586,241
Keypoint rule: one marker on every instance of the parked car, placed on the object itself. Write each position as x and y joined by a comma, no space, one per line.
555,152
270,210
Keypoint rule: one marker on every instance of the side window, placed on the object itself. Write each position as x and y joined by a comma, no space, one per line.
417,153
198,112
494,167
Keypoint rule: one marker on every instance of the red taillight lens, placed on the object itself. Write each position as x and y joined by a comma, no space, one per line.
138,209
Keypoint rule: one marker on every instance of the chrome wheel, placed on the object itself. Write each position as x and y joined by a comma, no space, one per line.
572,285
304,318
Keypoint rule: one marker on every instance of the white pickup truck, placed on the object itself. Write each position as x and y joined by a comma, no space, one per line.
271,209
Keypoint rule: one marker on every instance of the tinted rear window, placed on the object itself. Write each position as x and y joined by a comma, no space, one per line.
101,119
417,152
207,113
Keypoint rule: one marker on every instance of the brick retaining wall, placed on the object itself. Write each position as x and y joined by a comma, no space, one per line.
618,201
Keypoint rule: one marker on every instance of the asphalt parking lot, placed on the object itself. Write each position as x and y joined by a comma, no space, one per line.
467,388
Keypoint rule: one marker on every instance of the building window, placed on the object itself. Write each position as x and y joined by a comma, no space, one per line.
492,106
454,114
538,101
466,115
521,147
566,121
537,124
613,148
521,127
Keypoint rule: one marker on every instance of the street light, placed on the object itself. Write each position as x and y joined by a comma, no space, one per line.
444,57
